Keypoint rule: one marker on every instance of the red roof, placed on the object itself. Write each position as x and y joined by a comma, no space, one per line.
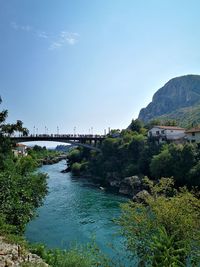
20,145
169,127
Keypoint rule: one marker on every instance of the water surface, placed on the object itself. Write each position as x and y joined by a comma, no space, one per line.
74,211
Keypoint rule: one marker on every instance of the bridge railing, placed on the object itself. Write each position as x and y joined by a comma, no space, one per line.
61,136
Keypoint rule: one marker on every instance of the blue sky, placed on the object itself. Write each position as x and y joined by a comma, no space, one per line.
89,63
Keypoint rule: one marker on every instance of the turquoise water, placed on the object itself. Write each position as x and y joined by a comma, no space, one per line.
74,211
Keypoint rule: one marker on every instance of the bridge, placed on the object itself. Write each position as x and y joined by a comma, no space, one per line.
89,141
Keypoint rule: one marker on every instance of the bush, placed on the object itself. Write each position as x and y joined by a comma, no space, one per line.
76,168
165,229
21,192
79,256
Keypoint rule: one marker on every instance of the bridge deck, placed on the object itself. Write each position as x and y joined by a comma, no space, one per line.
57,138
85,141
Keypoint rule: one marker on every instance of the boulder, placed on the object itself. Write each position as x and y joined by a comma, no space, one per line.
68,169
130,185
141,196
114,183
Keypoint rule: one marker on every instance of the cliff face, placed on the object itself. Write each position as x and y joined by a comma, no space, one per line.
178,93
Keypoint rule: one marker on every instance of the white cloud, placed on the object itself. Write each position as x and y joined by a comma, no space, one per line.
64,38
16,26
71,37
55,45
26,28
43,35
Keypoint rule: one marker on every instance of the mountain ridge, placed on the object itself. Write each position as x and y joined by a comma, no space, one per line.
177,99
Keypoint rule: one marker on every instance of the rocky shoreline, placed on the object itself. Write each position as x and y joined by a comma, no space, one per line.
52,160
132,187
15,255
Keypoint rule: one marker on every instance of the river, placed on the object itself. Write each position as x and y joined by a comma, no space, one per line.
74,211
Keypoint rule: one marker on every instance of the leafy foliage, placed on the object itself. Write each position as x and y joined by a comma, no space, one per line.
178,161
77,256
166,230
7,128
21,189
122,156
131,153
39,153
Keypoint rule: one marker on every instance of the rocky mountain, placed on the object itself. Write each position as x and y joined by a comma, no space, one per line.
178,99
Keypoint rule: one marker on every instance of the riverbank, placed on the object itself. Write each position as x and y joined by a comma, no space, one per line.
44,156
132,187
51,159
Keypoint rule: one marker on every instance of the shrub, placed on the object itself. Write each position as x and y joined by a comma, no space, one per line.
165,226
76,168
78,256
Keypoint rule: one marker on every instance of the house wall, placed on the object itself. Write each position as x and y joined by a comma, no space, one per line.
162,135
171,134
20,150
193,138
174,134
153,131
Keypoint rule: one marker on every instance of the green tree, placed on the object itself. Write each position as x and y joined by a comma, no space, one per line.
21,189
161,164
174,160
21,192
136,125
5,131
193,179
7,128
164,230
74,155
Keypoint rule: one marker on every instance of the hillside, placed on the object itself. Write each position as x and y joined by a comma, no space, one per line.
178,99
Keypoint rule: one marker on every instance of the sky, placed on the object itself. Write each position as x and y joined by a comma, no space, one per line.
86,65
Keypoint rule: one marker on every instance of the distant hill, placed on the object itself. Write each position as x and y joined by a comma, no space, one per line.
63,148
178,99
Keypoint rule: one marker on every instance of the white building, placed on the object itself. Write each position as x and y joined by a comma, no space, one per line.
193,135
20,149
167,133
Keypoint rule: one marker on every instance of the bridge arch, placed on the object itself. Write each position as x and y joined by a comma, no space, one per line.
88,142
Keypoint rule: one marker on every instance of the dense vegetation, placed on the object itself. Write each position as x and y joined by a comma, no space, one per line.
186,117
21,189
165,231
132,153
78,256
40,154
